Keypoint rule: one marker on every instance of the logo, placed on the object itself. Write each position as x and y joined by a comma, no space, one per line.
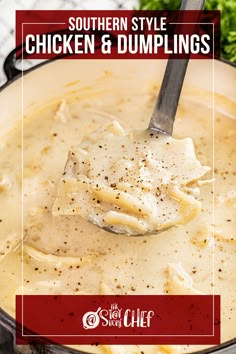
117,317
91,319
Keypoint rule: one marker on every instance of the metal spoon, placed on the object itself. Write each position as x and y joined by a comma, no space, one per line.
163,116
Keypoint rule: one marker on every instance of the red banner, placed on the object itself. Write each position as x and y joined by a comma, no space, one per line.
115,319
118,34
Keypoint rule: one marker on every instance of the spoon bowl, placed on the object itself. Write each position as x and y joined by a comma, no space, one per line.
163,116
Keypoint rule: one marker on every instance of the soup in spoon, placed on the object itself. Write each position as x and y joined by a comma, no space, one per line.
133,183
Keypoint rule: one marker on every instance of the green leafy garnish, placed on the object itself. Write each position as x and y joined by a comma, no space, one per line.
228,20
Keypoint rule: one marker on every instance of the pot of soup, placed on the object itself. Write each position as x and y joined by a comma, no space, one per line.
48,111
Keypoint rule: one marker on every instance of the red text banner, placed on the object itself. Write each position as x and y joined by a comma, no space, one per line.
118,34
114,319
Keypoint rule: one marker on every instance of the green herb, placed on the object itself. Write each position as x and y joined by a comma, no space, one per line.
160,4
228,20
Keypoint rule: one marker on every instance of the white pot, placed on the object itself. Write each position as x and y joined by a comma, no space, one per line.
61,77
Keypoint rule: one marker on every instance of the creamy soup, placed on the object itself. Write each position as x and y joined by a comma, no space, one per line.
196,258
133,183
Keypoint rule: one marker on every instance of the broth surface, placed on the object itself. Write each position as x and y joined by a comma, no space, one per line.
195,258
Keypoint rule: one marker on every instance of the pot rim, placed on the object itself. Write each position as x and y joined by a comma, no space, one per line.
45,62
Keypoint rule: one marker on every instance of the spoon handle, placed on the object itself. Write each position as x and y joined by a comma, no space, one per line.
163,115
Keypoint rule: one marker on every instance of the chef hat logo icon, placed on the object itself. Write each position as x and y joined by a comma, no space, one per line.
91,319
